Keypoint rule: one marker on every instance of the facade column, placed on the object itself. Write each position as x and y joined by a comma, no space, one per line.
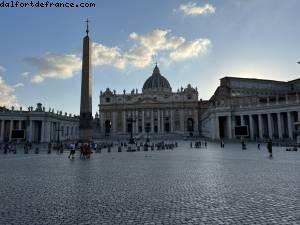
196,125
242,120
158,121
47,130
182,130
124,121
172,120
152,121
290,128
143,121
217,127
270,128
251,127
30,132
212,127
137,122
2,130
10,129
42,131
114,122
162,121
101,122
20,124
279,125
229,125
260,126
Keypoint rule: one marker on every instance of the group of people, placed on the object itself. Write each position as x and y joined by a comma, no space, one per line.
199,144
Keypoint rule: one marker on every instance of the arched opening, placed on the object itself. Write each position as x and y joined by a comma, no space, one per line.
107,127
167,127
148,127
129,127
190,126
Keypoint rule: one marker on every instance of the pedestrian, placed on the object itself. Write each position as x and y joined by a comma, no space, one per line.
72,151
49,147
258,146
205,144
269,147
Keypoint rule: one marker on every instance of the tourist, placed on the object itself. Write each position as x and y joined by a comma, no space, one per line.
269,147
72,151
258,146
49,147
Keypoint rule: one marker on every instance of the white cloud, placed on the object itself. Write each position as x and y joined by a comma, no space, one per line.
192,9
18,85
102,55
54,66
25,74
190,49
139,55
7,95
2,69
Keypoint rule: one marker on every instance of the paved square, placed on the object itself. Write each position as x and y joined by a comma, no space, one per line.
184,186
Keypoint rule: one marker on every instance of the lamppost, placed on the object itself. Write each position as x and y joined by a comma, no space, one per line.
131,140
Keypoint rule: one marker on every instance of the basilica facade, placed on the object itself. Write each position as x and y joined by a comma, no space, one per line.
268,108
155,111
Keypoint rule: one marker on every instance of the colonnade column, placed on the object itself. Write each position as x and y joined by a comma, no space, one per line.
290,129
2,130
114,122
196,126
124,121
30,130
162,122
158,121
172,120
143,121
43,131
212,127
242,120
20,124
152,121
11,128
182,121
279,125
270,129
136,122
251,127
217,127
260,128
229,123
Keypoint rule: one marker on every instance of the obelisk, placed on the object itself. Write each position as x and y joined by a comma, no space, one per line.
85,124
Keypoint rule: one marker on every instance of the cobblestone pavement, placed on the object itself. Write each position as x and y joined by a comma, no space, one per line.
184,186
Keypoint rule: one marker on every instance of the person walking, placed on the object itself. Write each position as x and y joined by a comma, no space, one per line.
269,147
72,151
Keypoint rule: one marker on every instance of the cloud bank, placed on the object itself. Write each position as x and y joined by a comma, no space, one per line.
139,55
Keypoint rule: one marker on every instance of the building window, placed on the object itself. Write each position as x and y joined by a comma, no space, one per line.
107,99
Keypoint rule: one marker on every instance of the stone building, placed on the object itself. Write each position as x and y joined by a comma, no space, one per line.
157,110
270,109
39,125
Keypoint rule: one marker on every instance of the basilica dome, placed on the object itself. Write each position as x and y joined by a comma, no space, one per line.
157,83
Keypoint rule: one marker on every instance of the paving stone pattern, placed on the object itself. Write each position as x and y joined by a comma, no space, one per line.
184,186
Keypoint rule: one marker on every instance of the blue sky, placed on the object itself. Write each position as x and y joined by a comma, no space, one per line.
195,42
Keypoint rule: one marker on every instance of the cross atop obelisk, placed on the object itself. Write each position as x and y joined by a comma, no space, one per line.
85,126
87,27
